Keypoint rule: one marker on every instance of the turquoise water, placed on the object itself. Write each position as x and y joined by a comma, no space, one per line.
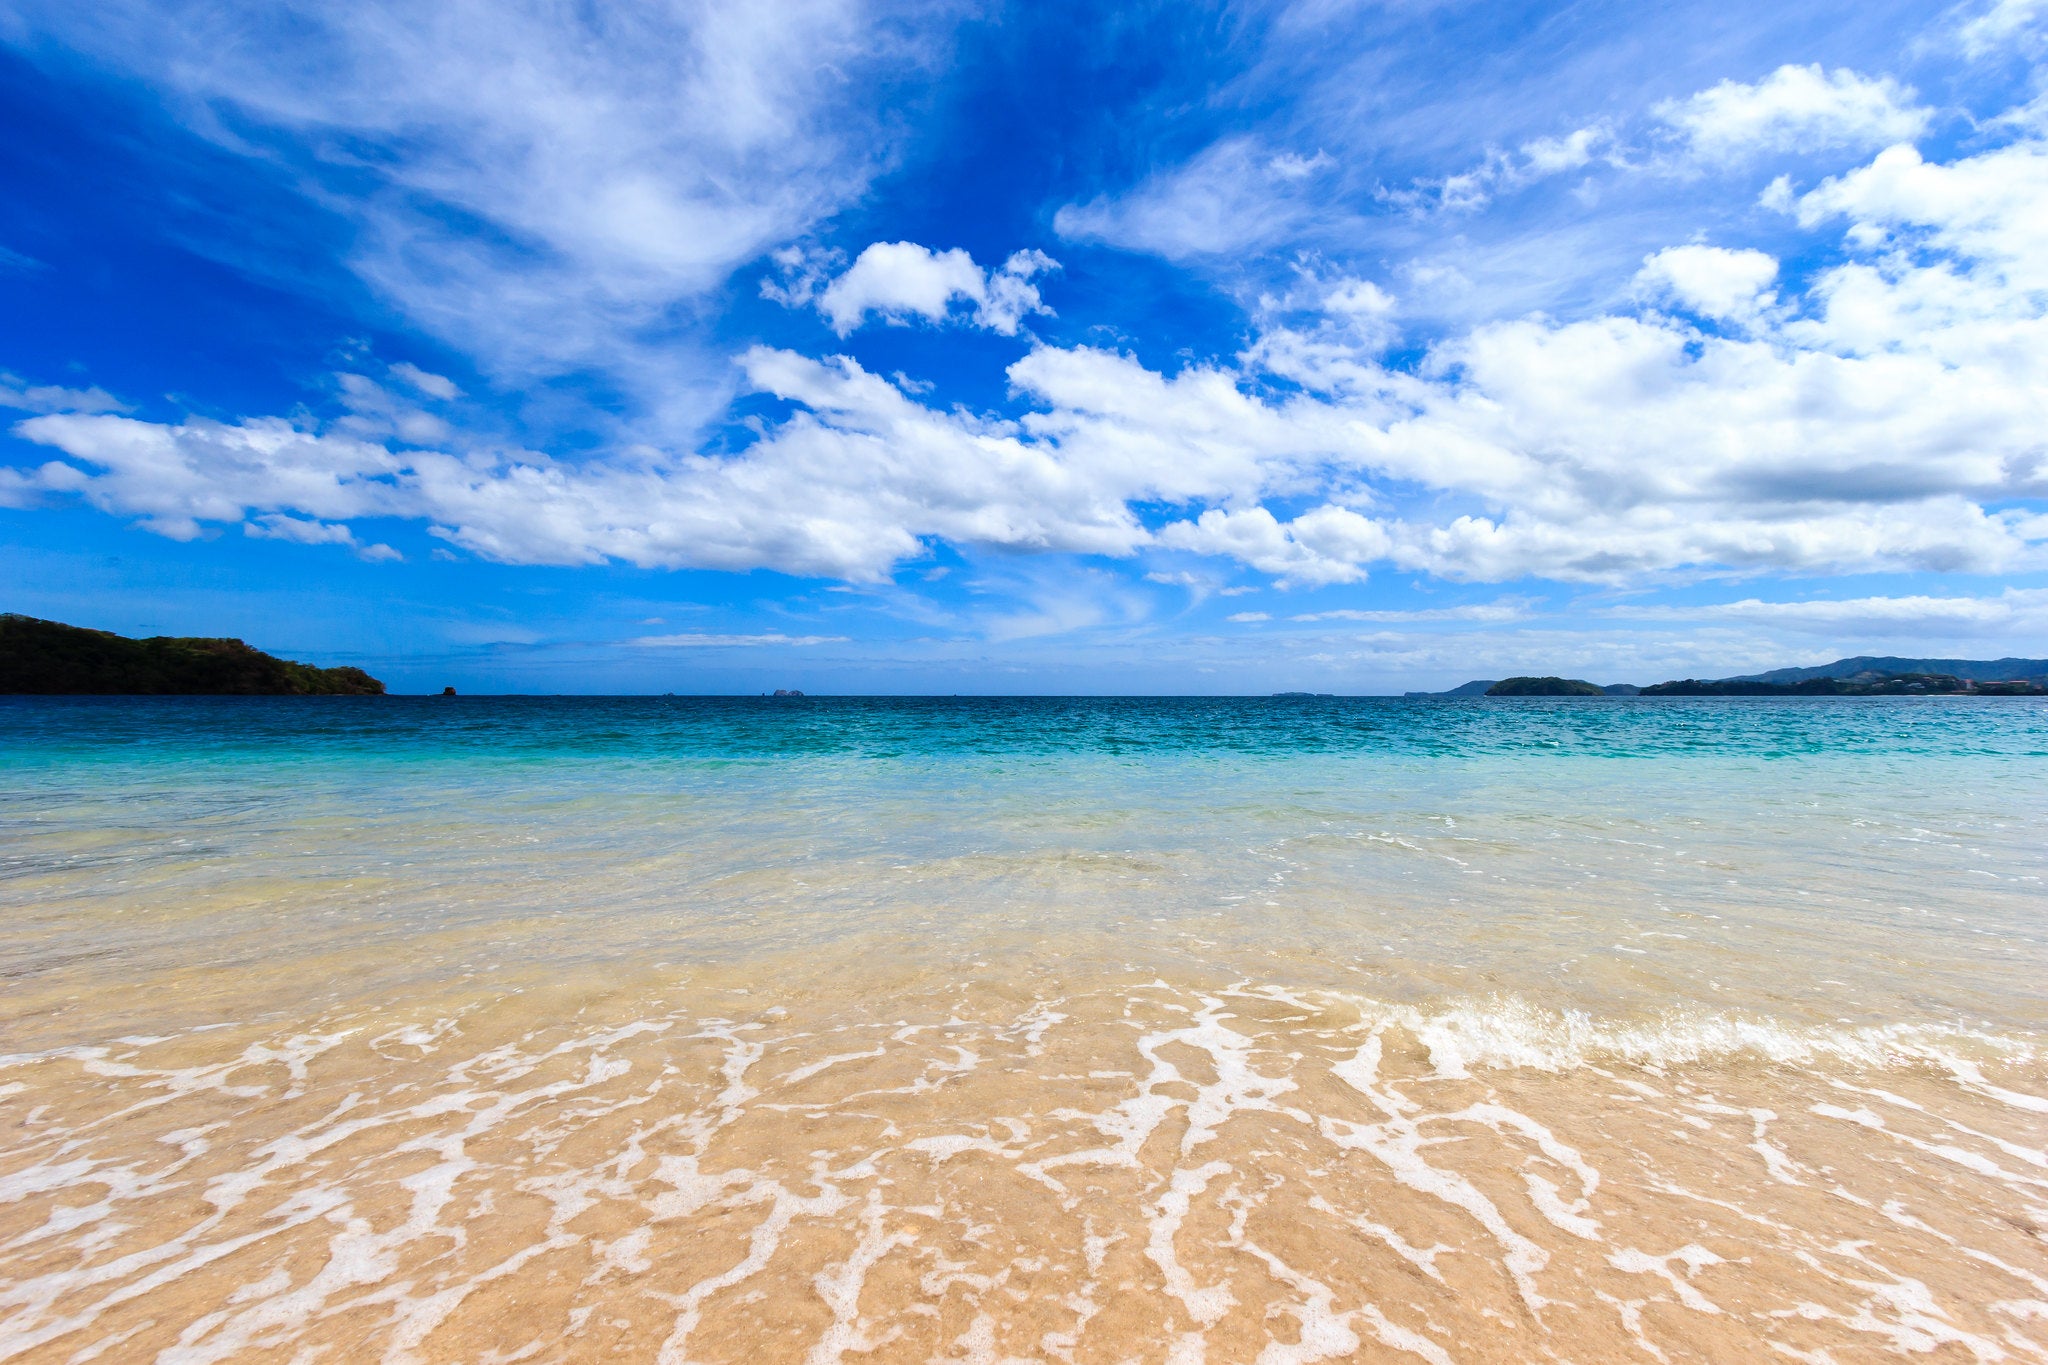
685,728
1617,855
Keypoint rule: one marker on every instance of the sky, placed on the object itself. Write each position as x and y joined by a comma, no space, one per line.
550,346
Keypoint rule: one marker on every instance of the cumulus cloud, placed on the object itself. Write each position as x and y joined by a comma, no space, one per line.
1986,208
1714,282
1325,545
902,281
851,485
1795,108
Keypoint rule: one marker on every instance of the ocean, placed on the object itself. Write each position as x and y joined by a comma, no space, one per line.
997,1029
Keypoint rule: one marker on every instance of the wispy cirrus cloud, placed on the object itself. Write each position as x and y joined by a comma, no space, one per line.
1490,612
2012,612
1235,195
698,640
21,396
545,188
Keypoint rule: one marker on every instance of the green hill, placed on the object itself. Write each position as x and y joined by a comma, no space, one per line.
51,658
1545,687
1983,670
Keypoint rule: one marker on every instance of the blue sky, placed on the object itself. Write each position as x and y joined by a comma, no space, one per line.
969,348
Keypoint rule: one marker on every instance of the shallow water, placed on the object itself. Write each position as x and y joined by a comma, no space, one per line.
1081,1030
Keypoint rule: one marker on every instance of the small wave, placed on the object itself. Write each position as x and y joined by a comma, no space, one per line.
1510,1032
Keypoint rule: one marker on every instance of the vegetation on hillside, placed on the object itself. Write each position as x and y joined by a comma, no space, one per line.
1545,687
50,657
1870,684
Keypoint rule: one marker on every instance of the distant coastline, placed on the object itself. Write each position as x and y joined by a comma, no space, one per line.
1861,676
49,658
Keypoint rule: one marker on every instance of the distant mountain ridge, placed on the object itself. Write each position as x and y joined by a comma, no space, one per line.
1988,670
1475,688
1870,671
49,658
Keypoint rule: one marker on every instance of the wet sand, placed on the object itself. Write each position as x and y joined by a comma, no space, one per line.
765,1167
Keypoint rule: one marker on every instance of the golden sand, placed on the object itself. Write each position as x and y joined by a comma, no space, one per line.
818,1161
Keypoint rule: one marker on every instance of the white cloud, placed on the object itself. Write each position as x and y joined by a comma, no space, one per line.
2016,611
1988,208
2002,26
1249,617
1200,587
173,478
1886,415
850,486
55,397
307,531
1234,196
299,530
376,412
431,384
1480,611
1714,282
899,281
1556,155
1795,108
1502,171
546,187
698,641
1326,545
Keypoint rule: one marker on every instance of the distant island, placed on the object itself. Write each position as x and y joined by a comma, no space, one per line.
1550,686
51,659
1545,687
1862,676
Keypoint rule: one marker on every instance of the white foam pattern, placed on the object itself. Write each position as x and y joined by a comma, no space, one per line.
1130,1169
